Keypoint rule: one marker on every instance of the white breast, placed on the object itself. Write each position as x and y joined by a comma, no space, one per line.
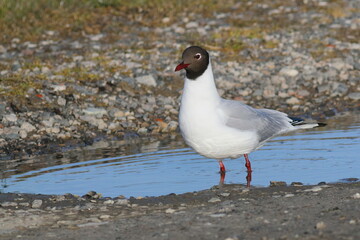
202,124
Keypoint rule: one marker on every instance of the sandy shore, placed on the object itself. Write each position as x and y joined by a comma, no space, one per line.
325,211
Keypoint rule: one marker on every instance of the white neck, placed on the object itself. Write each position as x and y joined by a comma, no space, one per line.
201,89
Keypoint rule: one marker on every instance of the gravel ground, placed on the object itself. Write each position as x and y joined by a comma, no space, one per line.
223,212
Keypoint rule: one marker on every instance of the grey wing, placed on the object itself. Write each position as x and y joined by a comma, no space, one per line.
266,123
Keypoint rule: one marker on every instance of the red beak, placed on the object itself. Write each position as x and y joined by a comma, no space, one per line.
181,66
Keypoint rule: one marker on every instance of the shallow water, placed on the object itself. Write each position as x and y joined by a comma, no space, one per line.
153,167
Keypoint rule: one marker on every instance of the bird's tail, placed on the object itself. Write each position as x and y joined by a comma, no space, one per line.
301,124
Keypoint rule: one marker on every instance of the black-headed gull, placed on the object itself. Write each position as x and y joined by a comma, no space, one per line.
219,128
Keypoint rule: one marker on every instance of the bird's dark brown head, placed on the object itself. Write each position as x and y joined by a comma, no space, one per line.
195,62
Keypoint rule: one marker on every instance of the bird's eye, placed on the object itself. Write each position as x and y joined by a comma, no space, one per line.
197,56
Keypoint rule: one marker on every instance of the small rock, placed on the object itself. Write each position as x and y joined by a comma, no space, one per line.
93,195
290,72
214,199
53,130
36,203
10,117
192,25
320,225
289,195
23,134
49,122
109,202
269,92
8,204
122,202
180,30
147,80
354,95
224,194
61,101
323,88
292,101
217,215
142,130
105,217
303,93
96,37
166,20
59,198
95,111
27,127
297,184
339,89
58,88
88,64
2,49
170,210
277,183
231,238
172,126
92,224
352,221
314,189
118,114
356,196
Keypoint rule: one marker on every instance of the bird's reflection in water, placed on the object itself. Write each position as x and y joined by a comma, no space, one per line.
248,178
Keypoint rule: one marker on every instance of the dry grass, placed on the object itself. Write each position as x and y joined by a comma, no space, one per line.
30,19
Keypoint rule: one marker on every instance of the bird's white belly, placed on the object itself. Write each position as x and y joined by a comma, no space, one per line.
216,140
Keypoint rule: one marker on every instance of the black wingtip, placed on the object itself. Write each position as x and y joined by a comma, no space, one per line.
321,124
296,121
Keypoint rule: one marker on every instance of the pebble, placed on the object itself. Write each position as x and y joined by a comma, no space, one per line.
91,224
10,117
109,202
27,127
290,72
95,111
218,215
297,184
314,189
192,25
224,194
356,196
147,80
320,225
105,217
354,95
214,199
170,210
58,88
289,195
8,204
122,202
36,203
292,101
277,183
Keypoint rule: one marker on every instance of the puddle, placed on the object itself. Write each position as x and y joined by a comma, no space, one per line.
152,167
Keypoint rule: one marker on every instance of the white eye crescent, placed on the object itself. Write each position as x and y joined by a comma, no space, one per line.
197,56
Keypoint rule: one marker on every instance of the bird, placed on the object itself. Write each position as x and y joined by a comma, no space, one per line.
221,128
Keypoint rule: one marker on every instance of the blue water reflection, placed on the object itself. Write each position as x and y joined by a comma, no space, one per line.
328,154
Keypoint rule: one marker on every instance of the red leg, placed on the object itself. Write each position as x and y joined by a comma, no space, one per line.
222,178
222,167
247,164
248,179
